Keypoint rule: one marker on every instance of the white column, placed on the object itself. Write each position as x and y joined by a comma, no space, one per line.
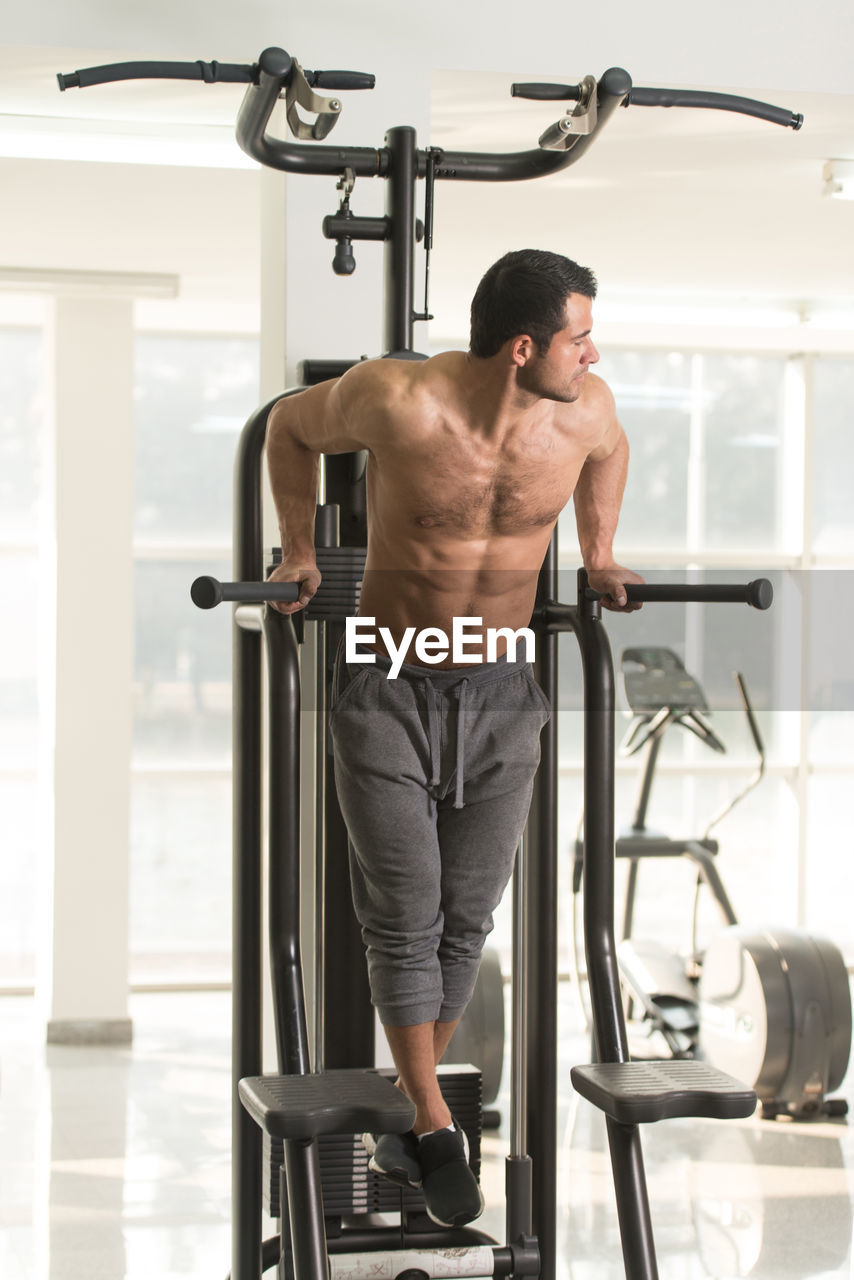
274,280
87,670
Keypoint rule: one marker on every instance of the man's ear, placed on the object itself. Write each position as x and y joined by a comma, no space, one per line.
522,349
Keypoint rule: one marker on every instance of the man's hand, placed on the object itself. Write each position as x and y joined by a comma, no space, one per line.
305,573
610,583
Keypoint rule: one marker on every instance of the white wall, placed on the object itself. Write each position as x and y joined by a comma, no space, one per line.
779,46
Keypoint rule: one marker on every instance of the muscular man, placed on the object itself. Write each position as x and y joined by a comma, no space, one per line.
472,457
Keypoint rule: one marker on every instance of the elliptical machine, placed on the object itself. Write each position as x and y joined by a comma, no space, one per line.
771,1007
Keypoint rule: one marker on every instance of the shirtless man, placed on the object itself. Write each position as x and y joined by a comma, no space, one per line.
472,457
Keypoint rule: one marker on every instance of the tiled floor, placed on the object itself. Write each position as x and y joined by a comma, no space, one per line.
115,1163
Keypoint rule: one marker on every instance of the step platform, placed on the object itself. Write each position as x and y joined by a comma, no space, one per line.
644,1092
350,1188
301,1107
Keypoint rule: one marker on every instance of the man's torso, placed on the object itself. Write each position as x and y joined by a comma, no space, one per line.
460,517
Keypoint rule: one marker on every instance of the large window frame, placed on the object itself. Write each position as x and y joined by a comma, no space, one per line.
165,541
793,766
802,770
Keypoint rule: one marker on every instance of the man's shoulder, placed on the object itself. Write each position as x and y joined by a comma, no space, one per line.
395,382
590,419
596,393
399,370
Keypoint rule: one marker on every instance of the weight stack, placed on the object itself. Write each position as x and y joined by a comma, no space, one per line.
350,1189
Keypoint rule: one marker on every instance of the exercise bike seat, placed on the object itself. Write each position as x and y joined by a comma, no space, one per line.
644,1092
345,1101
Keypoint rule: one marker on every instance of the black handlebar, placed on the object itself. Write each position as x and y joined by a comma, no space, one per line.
340,79
206,592
209,72
554,618
638,97
759,594
713,101
273,73
547,92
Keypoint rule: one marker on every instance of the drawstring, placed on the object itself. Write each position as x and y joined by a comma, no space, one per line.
434,735
461,743
435,732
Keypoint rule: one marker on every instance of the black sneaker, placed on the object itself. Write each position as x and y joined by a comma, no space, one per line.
451,1191
394,1156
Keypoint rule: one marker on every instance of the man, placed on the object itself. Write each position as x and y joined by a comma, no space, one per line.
472,457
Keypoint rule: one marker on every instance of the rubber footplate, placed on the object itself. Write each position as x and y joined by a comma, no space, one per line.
644,1092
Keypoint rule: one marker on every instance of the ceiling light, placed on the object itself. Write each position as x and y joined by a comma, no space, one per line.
838,179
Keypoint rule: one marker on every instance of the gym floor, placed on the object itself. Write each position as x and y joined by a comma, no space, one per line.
115,1163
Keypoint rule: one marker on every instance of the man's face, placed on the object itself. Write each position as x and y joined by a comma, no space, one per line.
558,374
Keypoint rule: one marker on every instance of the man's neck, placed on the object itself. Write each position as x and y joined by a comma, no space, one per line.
496,404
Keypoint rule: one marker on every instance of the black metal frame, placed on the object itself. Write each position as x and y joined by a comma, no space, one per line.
550,618
530,1215
609,1028
401,163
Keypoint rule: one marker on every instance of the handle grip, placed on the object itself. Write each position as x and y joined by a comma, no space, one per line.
340,79
759,593
547,92
641,97
209,72
207,592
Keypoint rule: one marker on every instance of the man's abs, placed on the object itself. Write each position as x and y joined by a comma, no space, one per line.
433,601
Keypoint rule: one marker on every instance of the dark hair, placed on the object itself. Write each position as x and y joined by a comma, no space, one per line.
525,292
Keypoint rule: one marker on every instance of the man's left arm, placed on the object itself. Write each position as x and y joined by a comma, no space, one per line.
598,498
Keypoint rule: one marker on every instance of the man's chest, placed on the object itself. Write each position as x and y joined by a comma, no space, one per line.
473,496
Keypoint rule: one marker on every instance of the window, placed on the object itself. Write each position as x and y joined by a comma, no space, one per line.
833,466
193,394
706,433
723,445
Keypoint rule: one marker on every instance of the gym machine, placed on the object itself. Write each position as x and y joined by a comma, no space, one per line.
630,1093
324,1101
769,1005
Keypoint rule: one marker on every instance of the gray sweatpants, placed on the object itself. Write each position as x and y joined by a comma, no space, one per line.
434,771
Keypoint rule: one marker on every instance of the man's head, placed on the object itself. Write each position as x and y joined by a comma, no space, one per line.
525,292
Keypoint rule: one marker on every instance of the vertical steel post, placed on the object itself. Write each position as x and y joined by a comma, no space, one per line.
399,262
326,534
283,875
609,1029
247,931
518,1168
301,1158
541,1101
599,944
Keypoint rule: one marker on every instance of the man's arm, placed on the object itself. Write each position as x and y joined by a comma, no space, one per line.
299,429
598,498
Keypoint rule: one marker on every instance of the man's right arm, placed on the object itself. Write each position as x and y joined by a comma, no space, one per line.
299,429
